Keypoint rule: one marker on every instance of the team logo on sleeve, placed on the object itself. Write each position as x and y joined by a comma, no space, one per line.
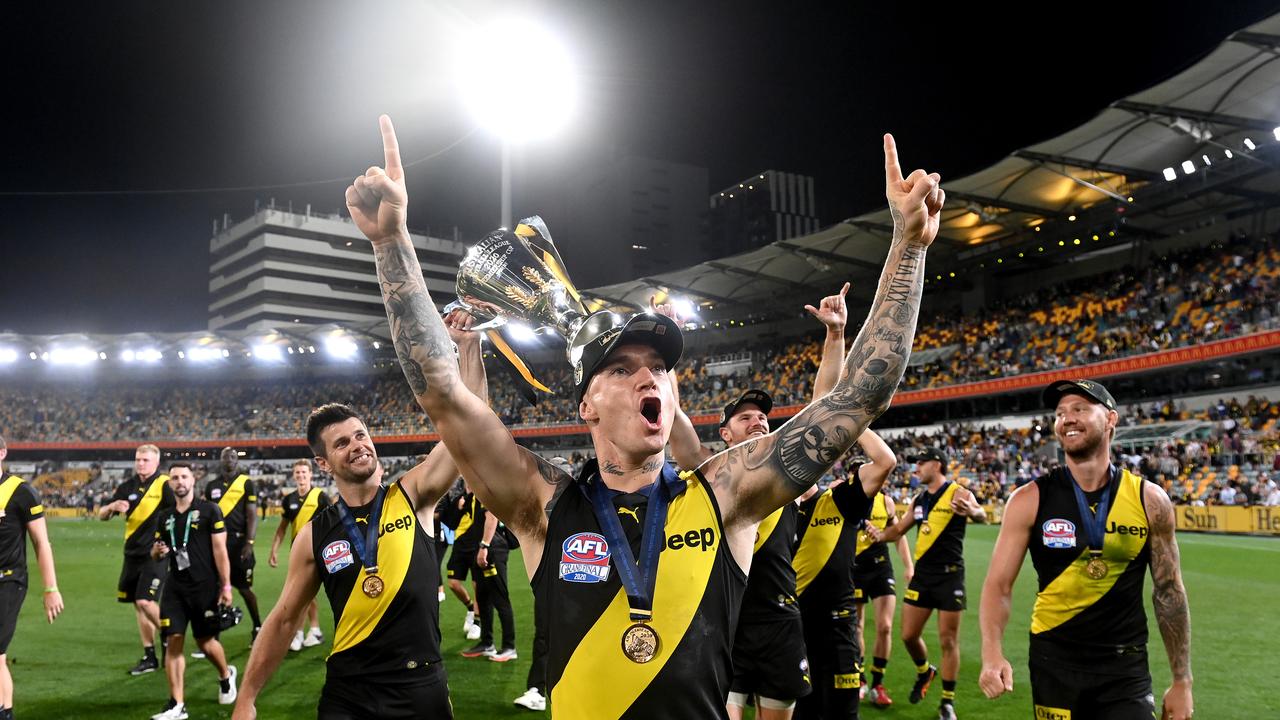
336,555
1059,534
584,558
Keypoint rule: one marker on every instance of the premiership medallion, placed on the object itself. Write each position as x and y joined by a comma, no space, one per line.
1096,568
373,586
640,643
925,529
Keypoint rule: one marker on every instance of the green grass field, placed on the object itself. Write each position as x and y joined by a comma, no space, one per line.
76,668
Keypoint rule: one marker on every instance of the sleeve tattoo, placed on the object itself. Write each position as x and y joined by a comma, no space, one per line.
1168,594
812,442
422,343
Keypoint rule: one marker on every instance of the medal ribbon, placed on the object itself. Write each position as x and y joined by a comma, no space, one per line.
638,580
366,544
1094,523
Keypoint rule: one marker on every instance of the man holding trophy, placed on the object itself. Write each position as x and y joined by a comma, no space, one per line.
633,631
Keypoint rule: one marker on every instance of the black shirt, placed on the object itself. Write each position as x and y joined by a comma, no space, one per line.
23,507
771,585
234,505
827,540
147,498
469,530
205,520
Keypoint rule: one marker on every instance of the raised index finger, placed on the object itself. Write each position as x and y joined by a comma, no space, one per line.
892,171
390,148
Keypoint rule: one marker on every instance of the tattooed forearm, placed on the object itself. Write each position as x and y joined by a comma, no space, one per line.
1168,595
811,443
422,343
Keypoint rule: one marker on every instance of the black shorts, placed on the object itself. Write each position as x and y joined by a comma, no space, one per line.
875,583
194,605
141,579
11,596
1109,691
241,570
461,562
423,694
769,659
937,592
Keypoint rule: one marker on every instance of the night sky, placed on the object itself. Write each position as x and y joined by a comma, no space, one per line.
103,98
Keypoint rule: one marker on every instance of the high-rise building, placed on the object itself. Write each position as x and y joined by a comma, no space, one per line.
281,267
765,208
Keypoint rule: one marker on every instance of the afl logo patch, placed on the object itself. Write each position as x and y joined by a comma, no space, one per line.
584,558
336,556
215,493
1059,534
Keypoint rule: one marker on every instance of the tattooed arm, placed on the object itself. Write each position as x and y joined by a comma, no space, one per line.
753,479
1169,597
511,481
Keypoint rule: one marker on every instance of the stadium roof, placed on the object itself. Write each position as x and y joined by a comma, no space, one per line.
1203,143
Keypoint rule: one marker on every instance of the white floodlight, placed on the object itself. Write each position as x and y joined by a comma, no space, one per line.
1170,174
1188,167
517,79
268,353
72,356
203,354
340,348
1249,144
8,355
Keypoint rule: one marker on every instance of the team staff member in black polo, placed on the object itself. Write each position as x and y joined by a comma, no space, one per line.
660,632
483,550
192,538
296,510
382,587
238,499
22,516
1092,530
140,499
942,512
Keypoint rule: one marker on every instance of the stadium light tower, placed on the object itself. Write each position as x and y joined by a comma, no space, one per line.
517,79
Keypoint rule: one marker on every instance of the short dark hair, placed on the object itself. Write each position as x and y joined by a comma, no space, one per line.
181,464
321,418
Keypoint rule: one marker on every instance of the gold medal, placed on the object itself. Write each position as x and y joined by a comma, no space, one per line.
640,643
1096,568
925,529
373,586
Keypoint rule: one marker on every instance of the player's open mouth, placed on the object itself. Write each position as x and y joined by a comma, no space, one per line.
651,410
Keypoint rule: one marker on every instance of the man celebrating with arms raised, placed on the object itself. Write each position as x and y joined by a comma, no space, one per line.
655,625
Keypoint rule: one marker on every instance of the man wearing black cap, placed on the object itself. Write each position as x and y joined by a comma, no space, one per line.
942,512
655,641
1092,529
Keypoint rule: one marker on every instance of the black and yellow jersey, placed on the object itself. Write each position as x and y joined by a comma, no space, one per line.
19,505
146,498
872,556
469,517
826,538
771,585
940,549
233,498
399,629
298,510
695,606
1077,618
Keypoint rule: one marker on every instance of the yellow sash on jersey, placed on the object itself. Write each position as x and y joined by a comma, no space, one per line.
1073,591
879,517
819,541
309,505
146,506
599,681
361,614
766,529
6,491
468,517
938,518
231,496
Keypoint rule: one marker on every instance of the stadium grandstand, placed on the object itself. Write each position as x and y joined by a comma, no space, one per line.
1139,248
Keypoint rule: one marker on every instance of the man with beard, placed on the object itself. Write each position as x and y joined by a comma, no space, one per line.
1092,529
942,512
296,510
140,499
191,538
377,564
660,634
237,498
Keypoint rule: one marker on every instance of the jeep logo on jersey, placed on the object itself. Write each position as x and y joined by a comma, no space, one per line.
1137,530
337,555
401,523
704,538
584,558
833,520
1059,534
